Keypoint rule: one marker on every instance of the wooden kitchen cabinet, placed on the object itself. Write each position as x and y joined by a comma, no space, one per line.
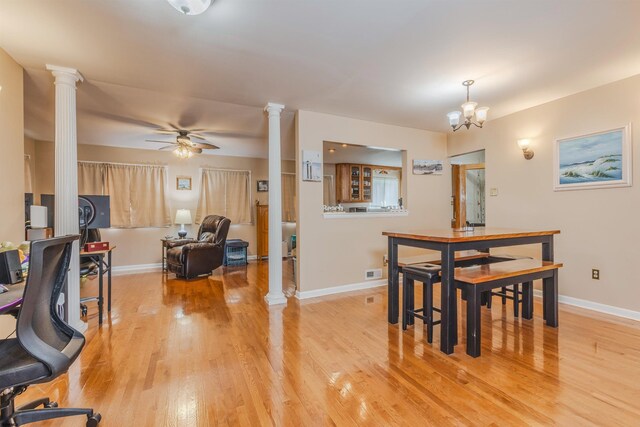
354,182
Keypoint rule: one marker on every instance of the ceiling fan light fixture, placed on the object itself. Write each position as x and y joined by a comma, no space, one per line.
190,7
183,152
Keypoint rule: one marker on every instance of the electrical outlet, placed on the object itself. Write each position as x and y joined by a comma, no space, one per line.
493,192
595,274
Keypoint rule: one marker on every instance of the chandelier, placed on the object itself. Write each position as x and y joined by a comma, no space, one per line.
469,110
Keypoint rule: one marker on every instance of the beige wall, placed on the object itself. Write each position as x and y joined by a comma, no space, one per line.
12,147
599,227
11,160
30,150
334,252
142,246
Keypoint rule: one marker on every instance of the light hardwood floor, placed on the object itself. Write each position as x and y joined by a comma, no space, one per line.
209,352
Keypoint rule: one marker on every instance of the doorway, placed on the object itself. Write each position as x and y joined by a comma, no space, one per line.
468,190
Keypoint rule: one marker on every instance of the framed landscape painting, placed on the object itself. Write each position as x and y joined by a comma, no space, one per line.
597,160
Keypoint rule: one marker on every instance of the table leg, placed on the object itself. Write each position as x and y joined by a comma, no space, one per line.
550,299
164,256
393,289
448,303
109,281
100,284
547,255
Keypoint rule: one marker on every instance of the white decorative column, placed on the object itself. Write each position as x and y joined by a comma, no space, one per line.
275,295
66,181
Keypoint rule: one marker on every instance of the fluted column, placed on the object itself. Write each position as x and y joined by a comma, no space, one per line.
66,181
275,295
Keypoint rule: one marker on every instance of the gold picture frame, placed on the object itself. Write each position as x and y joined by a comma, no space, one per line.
183,183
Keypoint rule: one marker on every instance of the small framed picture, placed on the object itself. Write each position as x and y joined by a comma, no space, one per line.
263,186
427,167
183,183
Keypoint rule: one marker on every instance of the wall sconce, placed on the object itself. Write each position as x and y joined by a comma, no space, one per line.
524,145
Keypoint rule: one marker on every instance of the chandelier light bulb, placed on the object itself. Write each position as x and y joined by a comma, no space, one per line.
190,7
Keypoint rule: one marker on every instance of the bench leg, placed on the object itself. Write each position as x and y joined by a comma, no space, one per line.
550,299
504,295
427,304
516,300
527,300
473,321
407,290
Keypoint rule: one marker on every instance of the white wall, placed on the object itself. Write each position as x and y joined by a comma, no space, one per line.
600,228
334,252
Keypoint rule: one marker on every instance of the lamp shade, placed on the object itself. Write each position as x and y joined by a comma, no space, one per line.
468,109
523,144
481,114
183,216
190,7
454,118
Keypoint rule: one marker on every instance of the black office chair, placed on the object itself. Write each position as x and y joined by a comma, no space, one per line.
45,346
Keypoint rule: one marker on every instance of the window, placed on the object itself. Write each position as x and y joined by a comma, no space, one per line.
386,191
136,192
226,193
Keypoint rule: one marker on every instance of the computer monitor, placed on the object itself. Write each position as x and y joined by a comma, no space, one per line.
94,211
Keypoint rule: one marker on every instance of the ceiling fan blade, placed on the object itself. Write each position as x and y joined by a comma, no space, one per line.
163,142
165,131
204,145
195,135
167,147
195,150
174,127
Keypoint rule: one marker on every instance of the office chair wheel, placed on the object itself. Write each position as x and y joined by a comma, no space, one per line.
51,405
94,420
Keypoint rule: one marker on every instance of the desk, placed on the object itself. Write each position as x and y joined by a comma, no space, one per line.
448,241
103,267
12,298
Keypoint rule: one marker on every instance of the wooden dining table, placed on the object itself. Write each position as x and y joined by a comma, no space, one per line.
448,242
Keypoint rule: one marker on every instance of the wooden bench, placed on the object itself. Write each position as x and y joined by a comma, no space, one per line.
482,278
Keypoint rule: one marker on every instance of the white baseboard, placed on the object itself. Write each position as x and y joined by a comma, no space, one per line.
595,306
120,270
340,289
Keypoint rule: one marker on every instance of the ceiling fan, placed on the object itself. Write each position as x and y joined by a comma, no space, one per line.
184,147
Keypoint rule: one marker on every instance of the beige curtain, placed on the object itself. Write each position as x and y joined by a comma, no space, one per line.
137,195
289,198
28,183
90,178
147,192
117,179
329,191
226,193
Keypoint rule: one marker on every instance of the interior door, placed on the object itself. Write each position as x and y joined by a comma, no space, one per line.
463,176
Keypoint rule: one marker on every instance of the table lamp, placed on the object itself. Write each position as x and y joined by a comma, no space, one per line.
183,216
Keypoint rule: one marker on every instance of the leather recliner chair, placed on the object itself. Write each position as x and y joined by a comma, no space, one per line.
189,258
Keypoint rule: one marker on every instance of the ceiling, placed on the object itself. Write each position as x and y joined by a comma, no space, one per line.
377,60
